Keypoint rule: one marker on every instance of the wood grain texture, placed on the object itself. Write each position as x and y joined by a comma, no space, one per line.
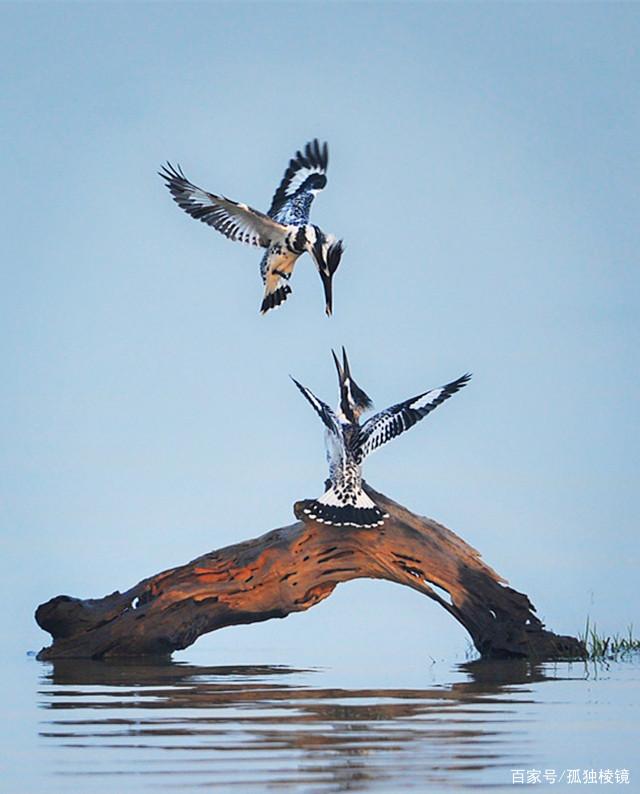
290,570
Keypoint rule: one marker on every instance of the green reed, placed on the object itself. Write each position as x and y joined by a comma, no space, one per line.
612,648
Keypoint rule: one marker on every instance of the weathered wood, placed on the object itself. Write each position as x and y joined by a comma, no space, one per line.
291,569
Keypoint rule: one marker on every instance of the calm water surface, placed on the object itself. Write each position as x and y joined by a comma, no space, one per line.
181,726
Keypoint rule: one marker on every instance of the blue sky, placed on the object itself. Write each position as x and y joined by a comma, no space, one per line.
484,176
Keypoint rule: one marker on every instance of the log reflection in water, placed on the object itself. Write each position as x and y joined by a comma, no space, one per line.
275,726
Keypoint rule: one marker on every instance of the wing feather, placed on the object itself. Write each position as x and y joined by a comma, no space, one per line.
325,413
393,421
235,220
314,160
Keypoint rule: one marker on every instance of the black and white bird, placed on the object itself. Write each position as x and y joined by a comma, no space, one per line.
284,231
348,443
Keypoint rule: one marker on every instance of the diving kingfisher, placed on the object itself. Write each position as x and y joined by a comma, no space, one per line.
344,503
284,231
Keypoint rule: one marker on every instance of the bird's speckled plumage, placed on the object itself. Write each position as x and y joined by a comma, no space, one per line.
348,443
284,231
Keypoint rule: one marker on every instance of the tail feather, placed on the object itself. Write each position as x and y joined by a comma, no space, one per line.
273,299
329,509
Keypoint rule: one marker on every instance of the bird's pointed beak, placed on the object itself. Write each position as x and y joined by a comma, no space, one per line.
338,367
345,363
328,292
327,262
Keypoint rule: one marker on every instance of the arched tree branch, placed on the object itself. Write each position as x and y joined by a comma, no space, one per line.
290,570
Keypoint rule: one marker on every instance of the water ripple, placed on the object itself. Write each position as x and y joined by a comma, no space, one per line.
172,725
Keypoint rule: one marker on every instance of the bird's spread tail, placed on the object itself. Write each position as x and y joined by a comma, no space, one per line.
273,299
363,513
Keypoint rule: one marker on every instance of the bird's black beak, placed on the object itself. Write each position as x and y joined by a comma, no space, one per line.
326,269
328,292
345,363
344,394
338,367
360,397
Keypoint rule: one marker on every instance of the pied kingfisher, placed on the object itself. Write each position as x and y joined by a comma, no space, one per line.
348,443
284,231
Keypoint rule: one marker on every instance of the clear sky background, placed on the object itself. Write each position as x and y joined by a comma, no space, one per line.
484,175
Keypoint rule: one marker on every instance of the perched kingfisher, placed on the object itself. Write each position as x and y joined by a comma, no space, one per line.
284,231
348,443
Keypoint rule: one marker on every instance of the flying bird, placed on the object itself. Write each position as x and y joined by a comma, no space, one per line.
284,230
348,443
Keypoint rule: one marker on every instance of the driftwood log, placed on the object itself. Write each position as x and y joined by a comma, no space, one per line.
291,569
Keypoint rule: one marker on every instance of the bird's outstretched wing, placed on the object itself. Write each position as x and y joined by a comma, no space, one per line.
236,221
395,420
322,409
306,172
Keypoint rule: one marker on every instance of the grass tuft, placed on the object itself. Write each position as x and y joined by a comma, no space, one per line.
615,648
